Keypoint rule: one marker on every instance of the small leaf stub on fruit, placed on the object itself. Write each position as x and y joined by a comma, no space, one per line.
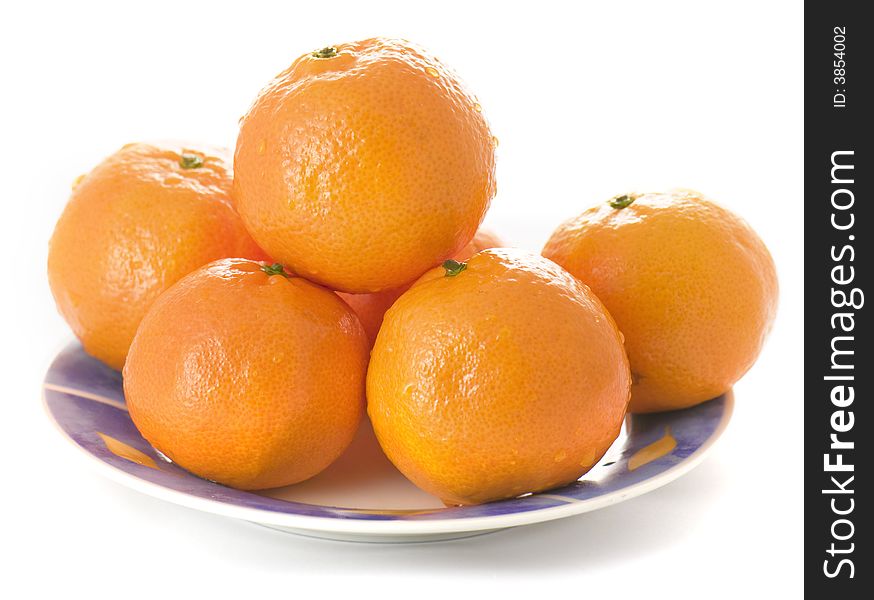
622,201
274,269
453,267
190,161
326,52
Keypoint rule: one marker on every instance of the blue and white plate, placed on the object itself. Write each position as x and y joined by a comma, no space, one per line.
362,497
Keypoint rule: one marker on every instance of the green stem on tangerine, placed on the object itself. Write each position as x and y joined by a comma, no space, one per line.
623,200
274,269
326,52
453,267
190,161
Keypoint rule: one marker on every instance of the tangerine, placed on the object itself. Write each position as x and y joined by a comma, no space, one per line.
246,375
496,377
363,165
690,284
142,219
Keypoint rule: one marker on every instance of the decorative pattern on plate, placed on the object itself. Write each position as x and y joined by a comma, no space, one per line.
86,401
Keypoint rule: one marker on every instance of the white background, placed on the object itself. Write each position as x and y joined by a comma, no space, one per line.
588,100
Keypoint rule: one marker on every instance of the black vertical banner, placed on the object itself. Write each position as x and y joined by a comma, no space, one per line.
838,367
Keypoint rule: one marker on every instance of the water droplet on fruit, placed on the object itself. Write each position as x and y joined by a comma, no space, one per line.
262,145
431,71
477,107
495,142
589,459
407,389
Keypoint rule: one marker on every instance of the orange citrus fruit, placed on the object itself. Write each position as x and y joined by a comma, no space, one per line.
483,239
363,165
248,376
496,377
371,308
690,284
142,219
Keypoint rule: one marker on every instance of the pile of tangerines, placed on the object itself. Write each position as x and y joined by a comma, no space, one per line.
258,312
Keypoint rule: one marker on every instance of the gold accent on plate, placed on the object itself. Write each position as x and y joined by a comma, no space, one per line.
661,447
127,452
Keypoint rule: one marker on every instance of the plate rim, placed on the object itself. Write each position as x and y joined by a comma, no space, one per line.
397,528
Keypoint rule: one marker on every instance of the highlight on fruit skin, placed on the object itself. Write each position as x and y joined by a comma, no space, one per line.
139,221
692,287
247,375
363,165
506,378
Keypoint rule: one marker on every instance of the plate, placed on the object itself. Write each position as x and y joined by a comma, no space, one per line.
362,497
